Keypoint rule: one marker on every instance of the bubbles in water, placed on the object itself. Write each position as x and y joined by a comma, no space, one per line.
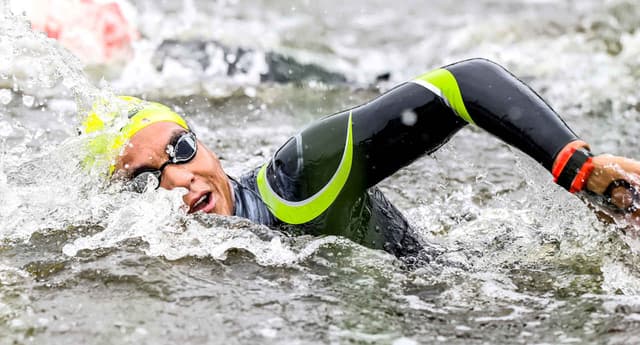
404,341
5,96
231,58
250,91
618,277
28,100
6,129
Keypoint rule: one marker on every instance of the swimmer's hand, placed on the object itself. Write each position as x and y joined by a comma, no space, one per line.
618,180
610,181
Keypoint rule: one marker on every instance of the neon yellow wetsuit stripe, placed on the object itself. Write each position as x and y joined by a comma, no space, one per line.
299,212
444,84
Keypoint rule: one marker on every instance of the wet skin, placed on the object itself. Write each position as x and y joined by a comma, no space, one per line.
208,187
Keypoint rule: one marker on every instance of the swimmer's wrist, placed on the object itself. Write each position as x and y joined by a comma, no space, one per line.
573,166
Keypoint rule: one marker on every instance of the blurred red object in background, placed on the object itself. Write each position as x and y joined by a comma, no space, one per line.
98,32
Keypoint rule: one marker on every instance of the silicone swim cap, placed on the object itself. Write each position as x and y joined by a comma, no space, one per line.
106,142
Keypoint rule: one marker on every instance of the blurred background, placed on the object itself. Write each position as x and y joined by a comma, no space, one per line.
524,262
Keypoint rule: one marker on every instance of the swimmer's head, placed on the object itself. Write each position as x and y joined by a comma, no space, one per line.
156,141
110,133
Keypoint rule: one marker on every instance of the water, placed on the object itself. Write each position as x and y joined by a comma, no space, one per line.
525,263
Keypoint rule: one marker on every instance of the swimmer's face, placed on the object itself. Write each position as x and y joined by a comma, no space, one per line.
207,184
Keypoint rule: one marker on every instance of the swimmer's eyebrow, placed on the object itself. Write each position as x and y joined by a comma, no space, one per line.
175,135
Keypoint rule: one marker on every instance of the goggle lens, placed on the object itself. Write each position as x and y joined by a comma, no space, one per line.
185,149
182,152
144,181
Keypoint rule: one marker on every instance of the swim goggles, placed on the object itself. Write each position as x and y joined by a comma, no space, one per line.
181,152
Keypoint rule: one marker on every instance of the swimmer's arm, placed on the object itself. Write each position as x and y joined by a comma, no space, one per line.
418,117
498,102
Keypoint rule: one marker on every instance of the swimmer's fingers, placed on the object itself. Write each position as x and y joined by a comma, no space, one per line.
618,179
624,196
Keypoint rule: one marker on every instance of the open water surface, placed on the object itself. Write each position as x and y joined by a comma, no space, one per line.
524,262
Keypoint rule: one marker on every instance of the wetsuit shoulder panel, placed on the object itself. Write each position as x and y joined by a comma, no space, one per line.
307,209
344,154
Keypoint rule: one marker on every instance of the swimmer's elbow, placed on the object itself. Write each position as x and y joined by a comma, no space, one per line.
481,66
483,63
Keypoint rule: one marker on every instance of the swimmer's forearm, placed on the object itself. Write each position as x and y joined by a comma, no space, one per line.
483,93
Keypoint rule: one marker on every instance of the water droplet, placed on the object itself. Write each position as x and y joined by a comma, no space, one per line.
409,118
231,58
5,96
5,130
404,341
28,100
250,91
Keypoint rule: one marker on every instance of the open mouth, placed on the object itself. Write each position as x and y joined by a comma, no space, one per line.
205,203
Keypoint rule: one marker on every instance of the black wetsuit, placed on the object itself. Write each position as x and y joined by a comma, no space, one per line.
322,181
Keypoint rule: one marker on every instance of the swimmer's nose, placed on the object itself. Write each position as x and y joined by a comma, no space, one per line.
177,175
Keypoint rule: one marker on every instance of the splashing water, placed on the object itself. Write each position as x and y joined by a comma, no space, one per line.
83,262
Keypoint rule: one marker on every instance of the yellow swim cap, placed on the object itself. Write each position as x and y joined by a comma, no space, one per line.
107,141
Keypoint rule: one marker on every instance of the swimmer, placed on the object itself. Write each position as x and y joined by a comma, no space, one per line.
323,180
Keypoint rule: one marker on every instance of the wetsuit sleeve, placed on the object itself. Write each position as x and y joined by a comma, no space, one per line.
353,150
498,102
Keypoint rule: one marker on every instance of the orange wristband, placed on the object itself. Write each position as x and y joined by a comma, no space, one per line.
581,178
561,161
572,168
